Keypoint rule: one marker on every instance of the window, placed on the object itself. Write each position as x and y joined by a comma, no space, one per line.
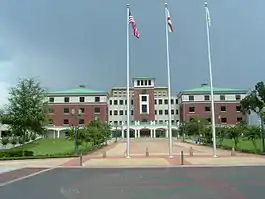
115,102
149,82
81,121
51,99
125,112
165,101
144,98
115,112
160,112
81,99
97,99
223,108
177,111
160,101
138,82
238,108
66,99
125,102
155,112
172,112
66,110
96,110
224,120
239,119
50,121
206,97
51,110
131,102
222,97
131,112
110,102
110,112
166,112
121,102
144,108
144,120
81,110
65,121
191,98
121,112
172,101
192,109
142,82
177,101
238,97
207,108
155,102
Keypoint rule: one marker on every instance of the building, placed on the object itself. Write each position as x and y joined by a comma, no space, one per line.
197,103
75,107
148,108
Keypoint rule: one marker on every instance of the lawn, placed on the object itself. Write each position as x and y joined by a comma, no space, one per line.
243,144
49,146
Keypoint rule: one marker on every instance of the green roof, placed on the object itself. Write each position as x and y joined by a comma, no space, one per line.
76,91
143,78
206,88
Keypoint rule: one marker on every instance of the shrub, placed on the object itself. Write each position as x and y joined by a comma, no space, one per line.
15,153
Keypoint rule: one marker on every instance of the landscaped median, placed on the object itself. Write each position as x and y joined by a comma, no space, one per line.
46,148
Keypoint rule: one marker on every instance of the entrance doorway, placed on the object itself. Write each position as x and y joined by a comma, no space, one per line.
160,133
145,133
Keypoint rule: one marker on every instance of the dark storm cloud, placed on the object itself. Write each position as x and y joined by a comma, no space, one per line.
67,42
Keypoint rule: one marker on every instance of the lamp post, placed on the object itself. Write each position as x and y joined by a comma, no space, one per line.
75,114
260,111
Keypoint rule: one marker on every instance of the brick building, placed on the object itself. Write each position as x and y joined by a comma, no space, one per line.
197,103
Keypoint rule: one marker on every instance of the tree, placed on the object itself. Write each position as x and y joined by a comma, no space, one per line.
26,112
253,134
255,99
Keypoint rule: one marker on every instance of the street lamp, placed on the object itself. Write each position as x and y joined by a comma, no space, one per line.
259,111
76,115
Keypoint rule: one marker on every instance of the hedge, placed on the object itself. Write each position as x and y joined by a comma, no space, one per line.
14,154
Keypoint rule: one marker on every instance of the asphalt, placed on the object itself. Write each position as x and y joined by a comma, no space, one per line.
138,183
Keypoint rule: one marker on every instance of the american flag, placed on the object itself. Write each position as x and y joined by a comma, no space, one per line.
134,26
169,22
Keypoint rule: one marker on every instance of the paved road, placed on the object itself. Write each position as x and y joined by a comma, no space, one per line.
148,183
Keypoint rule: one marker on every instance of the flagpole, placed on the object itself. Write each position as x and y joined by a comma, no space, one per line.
207,17
169,90
128,83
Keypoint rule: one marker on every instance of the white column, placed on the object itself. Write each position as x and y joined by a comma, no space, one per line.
58,134
154,133
122,133
135,134
54,134
151,133
167,133
138,133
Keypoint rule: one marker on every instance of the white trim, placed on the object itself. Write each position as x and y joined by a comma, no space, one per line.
144,103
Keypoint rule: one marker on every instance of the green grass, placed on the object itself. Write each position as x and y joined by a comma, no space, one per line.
243,144
49,146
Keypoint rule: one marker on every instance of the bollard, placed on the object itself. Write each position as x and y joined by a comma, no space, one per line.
233,153
146,152
104,155
81,159
181,158
191,151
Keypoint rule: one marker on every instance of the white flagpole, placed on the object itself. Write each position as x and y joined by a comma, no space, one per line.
208,23
128,84
169,89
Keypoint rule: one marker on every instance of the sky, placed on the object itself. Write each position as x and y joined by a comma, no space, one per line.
66,43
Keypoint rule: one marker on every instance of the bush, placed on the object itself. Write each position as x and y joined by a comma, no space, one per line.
15,153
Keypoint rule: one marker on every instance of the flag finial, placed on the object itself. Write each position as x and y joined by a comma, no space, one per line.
205,3
127,5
